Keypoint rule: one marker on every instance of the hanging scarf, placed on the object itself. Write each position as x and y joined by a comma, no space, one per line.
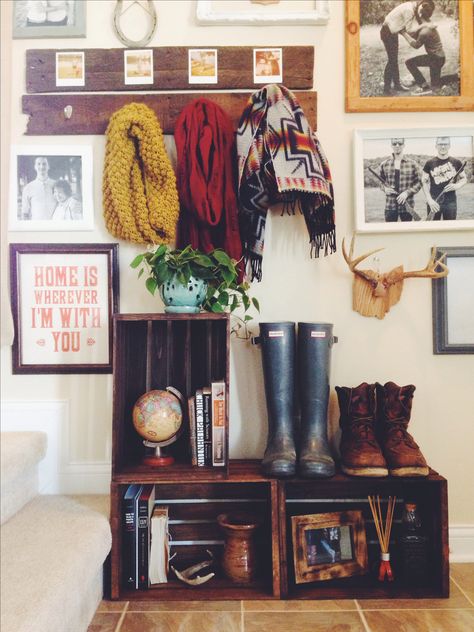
139,186
281,160
205,146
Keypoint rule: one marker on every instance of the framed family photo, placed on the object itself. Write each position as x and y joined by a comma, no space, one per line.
414,55
248,12
51,188
453,303
328,545
62,298
414,179
49,18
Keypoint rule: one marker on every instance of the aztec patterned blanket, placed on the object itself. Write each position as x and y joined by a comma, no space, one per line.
281,161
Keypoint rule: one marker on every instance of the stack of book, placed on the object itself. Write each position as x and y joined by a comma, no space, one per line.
145,538
207,425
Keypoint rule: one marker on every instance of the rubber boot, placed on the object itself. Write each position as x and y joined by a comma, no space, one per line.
403,456
315,341
278,359
360,452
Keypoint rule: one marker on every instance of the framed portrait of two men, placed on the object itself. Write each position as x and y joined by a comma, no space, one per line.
414,179
409,56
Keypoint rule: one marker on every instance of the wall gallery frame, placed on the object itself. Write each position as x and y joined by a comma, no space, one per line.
221,13
328,545
51,188
62,298
378,59
36,20
453,303
430,161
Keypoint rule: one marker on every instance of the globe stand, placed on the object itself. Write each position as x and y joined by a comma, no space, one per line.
158,459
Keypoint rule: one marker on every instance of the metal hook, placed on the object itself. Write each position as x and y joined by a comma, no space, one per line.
68,112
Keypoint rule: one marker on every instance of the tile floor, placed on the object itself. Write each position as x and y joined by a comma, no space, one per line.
455,614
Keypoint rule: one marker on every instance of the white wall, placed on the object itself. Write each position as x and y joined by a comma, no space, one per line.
294,287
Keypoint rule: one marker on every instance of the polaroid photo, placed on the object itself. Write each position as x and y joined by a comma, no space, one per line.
70,69
202,65
138,67
267,65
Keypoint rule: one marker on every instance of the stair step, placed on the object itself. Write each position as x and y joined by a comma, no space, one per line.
20,454
52,553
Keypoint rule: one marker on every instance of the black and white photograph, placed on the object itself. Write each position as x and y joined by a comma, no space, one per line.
409,48
328,545
51,188
49,18
414,179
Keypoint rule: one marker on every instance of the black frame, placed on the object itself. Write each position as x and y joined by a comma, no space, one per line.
441,344
16,250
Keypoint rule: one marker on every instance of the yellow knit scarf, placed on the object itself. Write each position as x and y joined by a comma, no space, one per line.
139,186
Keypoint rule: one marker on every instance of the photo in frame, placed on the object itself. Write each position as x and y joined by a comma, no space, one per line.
202,65
414,179
453,303
409,56
63,297
287,12
49,19
51,188
138,67
70,68
329,545
267,65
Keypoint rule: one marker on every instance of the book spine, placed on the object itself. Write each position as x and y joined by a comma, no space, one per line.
143,536
128,560
218,405
200,428
207,405
192,429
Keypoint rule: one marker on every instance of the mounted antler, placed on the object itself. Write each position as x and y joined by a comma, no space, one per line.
374,293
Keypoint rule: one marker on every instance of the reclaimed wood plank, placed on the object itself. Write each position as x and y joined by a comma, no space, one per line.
91,113
104,69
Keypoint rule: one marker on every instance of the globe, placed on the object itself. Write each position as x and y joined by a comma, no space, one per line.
158,416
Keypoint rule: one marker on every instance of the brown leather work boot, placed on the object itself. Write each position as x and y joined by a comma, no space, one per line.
360,453
402,454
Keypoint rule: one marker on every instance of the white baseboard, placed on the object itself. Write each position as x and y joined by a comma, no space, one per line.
461,543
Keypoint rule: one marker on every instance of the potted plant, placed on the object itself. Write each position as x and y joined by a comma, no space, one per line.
189,280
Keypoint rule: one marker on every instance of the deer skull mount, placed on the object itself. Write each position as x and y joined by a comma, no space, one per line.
374,293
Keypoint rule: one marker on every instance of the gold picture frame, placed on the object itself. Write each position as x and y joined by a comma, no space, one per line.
329,545
355,102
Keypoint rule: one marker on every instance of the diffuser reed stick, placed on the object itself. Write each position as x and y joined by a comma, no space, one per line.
383,528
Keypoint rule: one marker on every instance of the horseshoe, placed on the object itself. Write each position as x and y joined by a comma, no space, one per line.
119,12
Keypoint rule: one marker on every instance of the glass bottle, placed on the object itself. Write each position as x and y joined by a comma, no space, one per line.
413,546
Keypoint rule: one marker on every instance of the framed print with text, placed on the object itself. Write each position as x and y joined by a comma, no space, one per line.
63,297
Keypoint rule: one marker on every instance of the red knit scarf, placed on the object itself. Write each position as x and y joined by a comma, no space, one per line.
205,145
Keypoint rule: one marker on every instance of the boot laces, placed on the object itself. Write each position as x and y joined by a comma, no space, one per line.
397,431
362,429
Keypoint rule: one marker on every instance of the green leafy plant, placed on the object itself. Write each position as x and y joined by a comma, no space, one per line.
224,292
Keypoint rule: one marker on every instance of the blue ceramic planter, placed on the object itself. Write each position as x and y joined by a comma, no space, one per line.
183,299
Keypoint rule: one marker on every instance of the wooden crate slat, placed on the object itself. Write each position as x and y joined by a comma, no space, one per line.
91,112
104,69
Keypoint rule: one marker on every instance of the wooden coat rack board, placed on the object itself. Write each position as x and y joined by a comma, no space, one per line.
104,72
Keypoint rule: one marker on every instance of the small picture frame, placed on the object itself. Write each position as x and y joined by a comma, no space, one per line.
202,65
37,20
62,298
138,67
411,180
290,13
70,69
329,545
267,65
453,303
51,188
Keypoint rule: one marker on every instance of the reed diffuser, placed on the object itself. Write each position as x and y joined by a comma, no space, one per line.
383,533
